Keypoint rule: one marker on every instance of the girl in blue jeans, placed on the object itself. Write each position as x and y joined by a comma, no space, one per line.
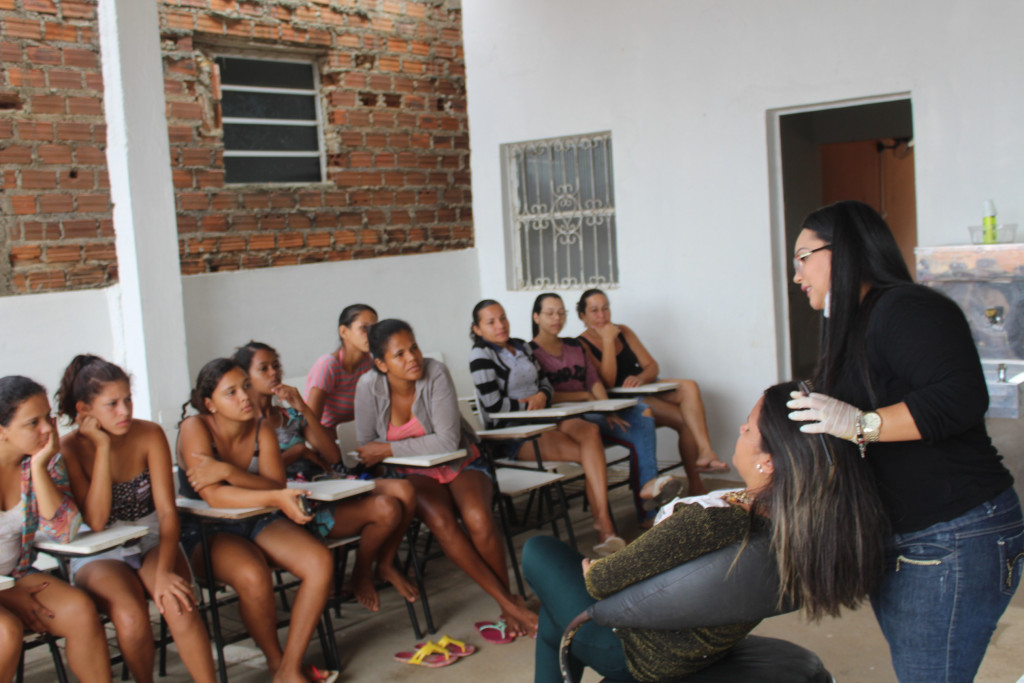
898,374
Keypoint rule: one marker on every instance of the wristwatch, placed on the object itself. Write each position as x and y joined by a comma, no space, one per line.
871,425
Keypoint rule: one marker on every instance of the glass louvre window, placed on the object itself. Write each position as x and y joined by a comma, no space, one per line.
560,212
271,120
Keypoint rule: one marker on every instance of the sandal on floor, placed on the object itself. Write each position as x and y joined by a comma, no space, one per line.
456,648
325,675
494,632
430,655
609,546
666,489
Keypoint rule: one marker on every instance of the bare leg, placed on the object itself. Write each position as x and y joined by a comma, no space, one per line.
373,519
187,627
402,491
435,507
289,546
11,633
473,493
667,414
580,441
691,405
75,620
239,563
118,593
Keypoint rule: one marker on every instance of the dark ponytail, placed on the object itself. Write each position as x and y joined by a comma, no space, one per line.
83,380
581,305
207,380
476,316
244,354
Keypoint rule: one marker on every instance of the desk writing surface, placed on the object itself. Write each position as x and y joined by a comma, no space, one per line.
554,412
92,542
609,405
652,388
425,460
6,582
201,508
334,489
515,432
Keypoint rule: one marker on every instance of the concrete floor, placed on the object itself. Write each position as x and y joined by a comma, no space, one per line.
852,647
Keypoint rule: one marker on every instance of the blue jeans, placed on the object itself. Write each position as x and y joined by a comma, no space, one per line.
642,443
554,571
945,588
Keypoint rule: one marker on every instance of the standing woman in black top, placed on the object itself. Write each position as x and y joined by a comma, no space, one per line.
898,373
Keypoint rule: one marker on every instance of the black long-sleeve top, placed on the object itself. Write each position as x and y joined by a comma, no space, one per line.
919,350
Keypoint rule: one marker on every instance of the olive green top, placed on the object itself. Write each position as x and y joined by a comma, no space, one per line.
690,532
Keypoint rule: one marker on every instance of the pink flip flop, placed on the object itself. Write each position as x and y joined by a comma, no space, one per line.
456,648
495,632
430,655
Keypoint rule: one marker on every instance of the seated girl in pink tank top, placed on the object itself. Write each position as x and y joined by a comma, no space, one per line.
409,407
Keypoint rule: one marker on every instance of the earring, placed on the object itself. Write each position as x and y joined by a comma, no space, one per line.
760,468
212,411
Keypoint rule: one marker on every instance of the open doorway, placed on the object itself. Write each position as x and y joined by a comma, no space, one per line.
823,154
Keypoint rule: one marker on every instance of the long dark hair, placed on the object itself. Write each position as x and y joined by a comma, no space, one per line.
351,312
83,379
864,251
827,522
538,304
481,305
206,382
15,390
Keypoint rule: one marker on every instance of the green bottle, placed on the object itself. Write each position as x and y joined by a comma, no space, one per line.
989,223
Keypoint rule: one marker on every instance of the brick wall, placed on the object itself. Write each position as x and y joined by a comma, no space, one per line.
395,130
54,199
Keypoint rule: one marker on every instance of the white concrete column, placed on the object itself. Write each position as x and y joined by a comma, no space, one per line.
150,321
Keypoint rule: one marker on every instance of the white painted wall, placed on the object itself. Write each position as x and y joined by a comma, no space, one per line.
295,308
685,87
43,332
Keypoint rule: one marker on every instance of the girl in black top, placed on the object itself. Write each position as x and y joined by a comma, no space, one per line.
904,354
623,361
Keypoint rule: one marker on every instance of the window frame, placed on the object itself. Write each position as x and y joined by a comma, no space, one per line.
315,92
515,259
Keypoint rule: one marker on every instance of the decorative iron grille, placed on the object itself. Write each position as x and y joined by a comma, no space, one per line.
560,212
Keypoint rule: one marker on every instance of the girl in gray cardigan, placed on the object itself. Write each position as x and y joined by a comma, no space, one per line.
409,407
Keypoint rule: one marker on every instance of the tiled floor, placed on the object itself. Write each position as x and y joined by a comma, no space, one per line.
852,647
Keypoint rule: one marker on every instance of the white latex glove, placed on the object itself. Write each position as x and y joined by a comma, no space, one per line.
824,415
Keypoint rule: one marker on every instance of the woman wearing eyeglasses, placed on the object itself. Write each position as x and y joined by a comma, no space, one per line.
898,374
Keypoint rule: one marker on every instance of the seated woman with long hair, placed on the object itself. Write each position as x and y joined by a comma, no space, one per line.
409,407
623,361
331,382
230,458
120,471
826,530
568,367
35,497
379,519
508,378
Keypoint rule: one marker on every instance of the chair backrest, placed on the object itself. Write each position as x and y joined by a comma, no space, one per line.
708,591
469,408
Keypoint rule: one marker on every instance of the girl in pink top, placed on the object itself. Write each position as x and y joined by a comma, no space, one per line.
331,383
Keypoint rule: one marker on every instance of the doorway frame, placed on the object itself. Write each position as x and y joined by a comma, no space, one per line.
777,212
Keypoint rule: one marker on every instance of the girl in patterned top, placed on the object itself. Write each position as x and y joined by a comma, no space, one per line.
120,472
331,383
34,495
379,519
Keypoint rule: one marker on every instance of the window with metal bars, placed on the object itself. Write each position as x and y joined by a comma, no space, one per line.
560,212
271,118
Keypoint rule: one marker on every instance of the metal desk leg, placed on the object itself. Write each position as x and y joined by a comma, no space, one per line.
211,592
